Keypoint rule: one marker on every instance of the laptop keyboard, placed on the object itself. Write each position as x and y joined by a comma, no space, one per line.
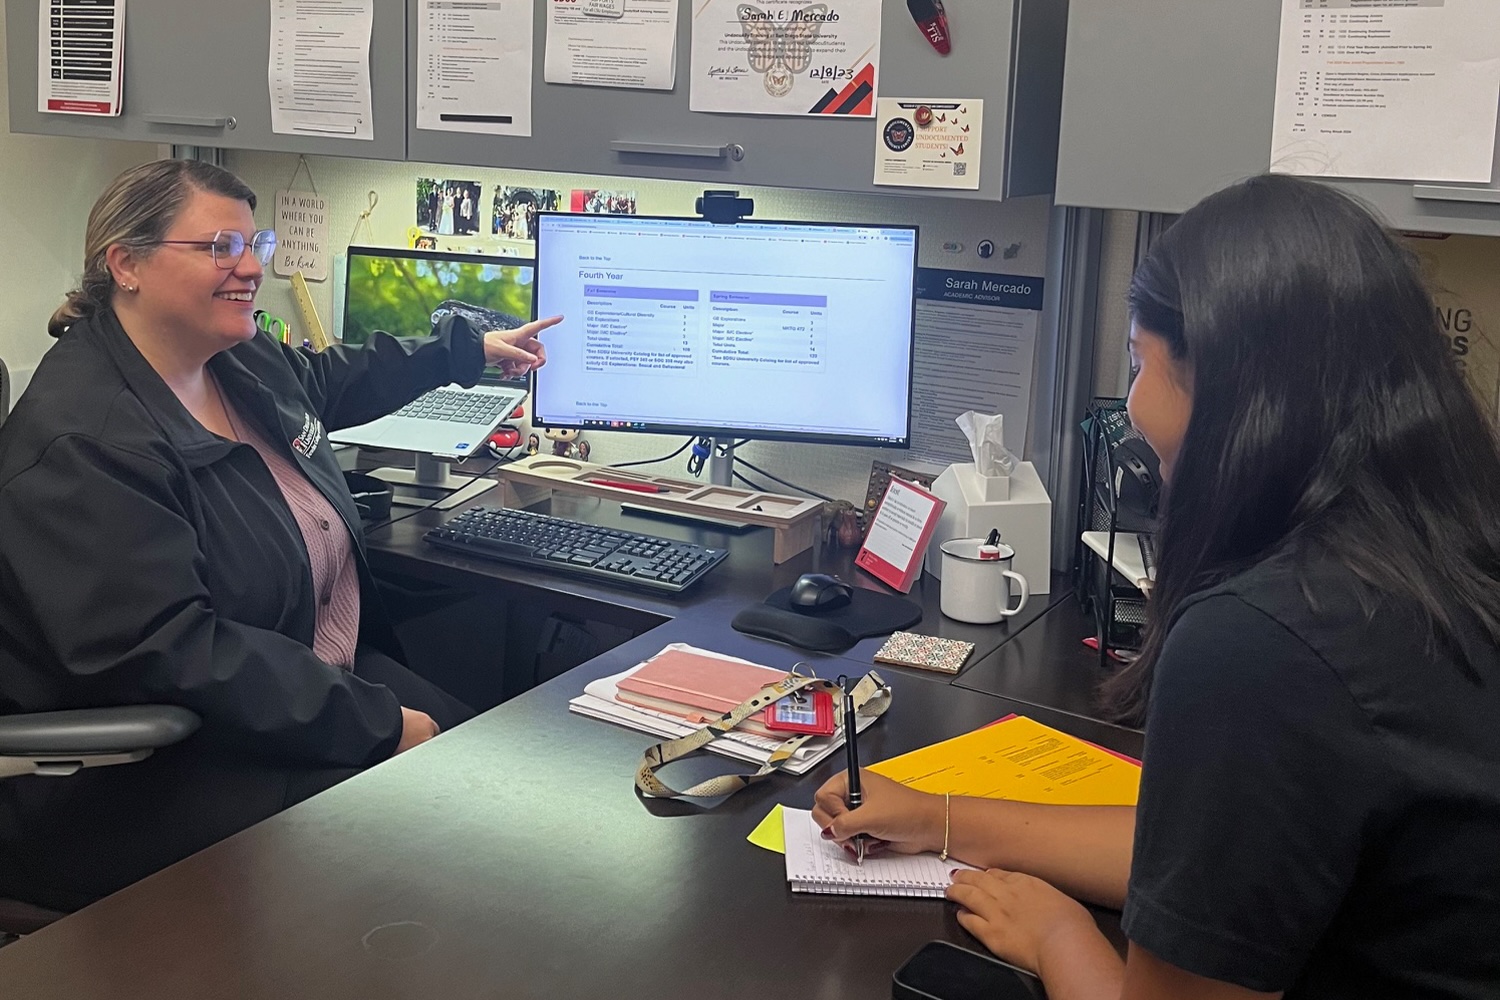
458,407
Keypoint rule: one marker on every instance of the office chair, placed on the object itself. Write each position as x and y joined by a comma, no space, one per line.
57,744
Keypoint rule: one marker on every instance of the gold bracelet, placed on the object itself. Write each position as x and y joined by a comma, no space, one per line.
947,798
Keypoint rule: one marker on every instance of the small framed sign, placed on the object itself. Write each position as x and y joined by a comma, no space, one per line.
899,533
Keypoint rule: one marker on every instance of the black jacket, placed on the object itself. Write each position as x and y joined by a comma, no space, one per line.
144,559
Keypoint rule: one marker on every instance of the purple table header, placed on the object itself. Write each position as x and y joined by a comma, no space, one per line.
626,292
768,299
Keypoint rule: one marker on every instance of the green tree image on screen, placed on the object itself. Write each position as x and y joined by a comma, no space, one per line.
399,296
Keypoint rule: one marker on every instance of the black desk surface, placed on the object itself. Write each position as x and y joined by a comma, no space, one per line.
1045,664
512,856
746,577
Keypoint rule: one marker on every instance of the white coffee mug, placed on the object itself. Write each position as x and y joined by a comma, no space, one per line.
976,581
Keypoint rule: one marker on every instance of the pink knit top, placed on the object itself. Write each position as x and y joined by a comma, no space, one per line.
329,549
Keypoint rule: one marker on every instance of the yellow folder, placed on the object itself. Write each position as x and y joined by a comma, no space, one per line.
1018,759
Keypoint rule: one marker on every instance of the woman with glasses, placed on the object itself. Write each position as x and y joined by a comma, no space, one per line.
1319,811
174,528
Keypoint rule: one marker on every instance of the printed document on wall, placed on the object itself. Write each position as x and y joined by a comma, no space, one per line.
1394,89
976,339
474,66
786,57
80,57
619,44
927,143
319,72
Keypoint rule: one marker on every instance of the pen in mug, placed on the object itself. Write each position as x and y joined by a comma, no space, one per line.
856,796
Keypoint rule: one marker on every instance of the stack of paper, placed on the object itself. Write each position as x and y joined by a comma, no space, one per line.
600,700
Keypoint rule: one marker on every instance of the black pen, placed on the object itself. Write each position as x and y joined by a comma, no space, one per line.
1148,555
855,797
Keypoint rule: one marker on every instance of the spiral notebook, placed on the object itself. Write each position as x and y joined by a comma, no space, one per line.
817,865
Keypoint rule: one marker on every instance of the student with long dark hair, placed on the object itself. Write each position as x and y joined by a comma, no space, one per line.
1320,682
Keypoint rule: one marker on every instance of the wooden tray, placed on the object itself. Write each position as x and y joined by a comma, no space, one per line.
793,519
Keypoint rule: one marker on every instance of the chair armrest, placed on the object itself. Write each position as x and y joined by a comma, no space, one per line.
122,729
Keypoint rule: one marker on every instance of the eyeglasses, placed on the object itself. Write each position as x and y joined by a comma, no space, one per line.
228,246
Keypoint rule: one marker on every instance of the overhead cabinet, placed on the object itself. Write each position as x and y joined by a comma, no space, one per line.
1007,52
1165,101
196,75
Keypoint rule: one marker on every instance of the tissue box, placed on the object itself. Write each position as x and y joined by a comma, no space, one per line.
975,506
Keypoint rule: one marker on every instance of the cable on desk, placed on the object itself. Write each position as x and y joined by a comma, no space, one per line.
652,461
776,479
430,504
705,448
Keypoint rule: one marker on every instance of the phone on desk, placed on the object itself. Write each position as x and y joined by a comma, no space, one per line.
943,971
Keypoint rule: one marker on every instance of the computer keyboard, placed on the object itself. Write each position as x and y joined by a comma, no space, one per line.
556,543
456,406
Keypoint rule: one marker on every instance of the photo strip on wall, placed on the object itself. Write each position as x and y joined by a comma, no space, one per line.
515,210
450,218
448,207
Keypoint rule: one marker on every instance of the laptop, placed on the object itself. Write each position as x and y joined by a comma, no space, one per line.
451,422
407,292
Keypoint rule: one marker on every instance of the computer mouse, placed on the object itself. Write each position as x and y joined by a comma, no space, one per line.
819,592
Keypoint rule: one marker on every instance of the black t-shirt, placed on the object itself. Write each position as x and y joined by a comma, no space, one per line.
1320,804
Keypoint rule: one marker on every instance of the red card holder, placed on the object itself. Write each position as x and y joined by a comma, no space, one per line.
802,713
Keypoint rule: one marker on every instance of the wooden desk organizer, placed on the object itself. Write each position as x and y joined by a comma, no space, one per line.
793,519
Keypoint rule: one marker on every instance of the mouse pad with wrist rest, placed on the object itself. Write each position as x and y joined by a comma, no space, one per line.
827,630
868,612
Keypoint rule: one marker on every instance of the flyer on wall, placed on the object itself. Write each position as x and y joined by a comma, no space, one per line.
319,72
926,143
598,44
80,51
786,57
474,66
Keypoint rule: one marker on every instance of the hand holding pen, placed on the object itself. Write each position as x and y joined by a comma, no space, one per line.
893,818
854,795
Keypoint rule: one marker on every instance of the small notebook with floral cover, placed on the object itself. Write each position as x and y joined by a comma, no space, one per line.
926,652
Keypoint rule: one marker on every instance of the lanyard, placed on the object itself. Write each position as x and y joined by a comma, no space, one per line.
871,698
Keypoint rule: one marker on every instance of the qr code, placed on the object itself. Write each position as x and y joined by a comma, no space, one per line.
959,169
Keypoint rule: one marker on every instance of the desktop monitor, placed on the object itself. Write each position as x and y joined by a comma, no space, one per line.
798,331
406,292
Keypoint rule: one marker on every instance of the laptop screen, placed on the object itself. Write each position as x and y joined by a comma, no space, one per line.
406,292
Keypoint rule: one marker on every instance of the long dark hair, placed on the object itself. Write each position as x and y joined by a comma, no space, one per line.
1326,412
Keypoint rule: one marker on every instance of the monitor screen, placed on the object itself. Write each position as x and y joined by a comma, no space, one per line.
405,292
783,330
